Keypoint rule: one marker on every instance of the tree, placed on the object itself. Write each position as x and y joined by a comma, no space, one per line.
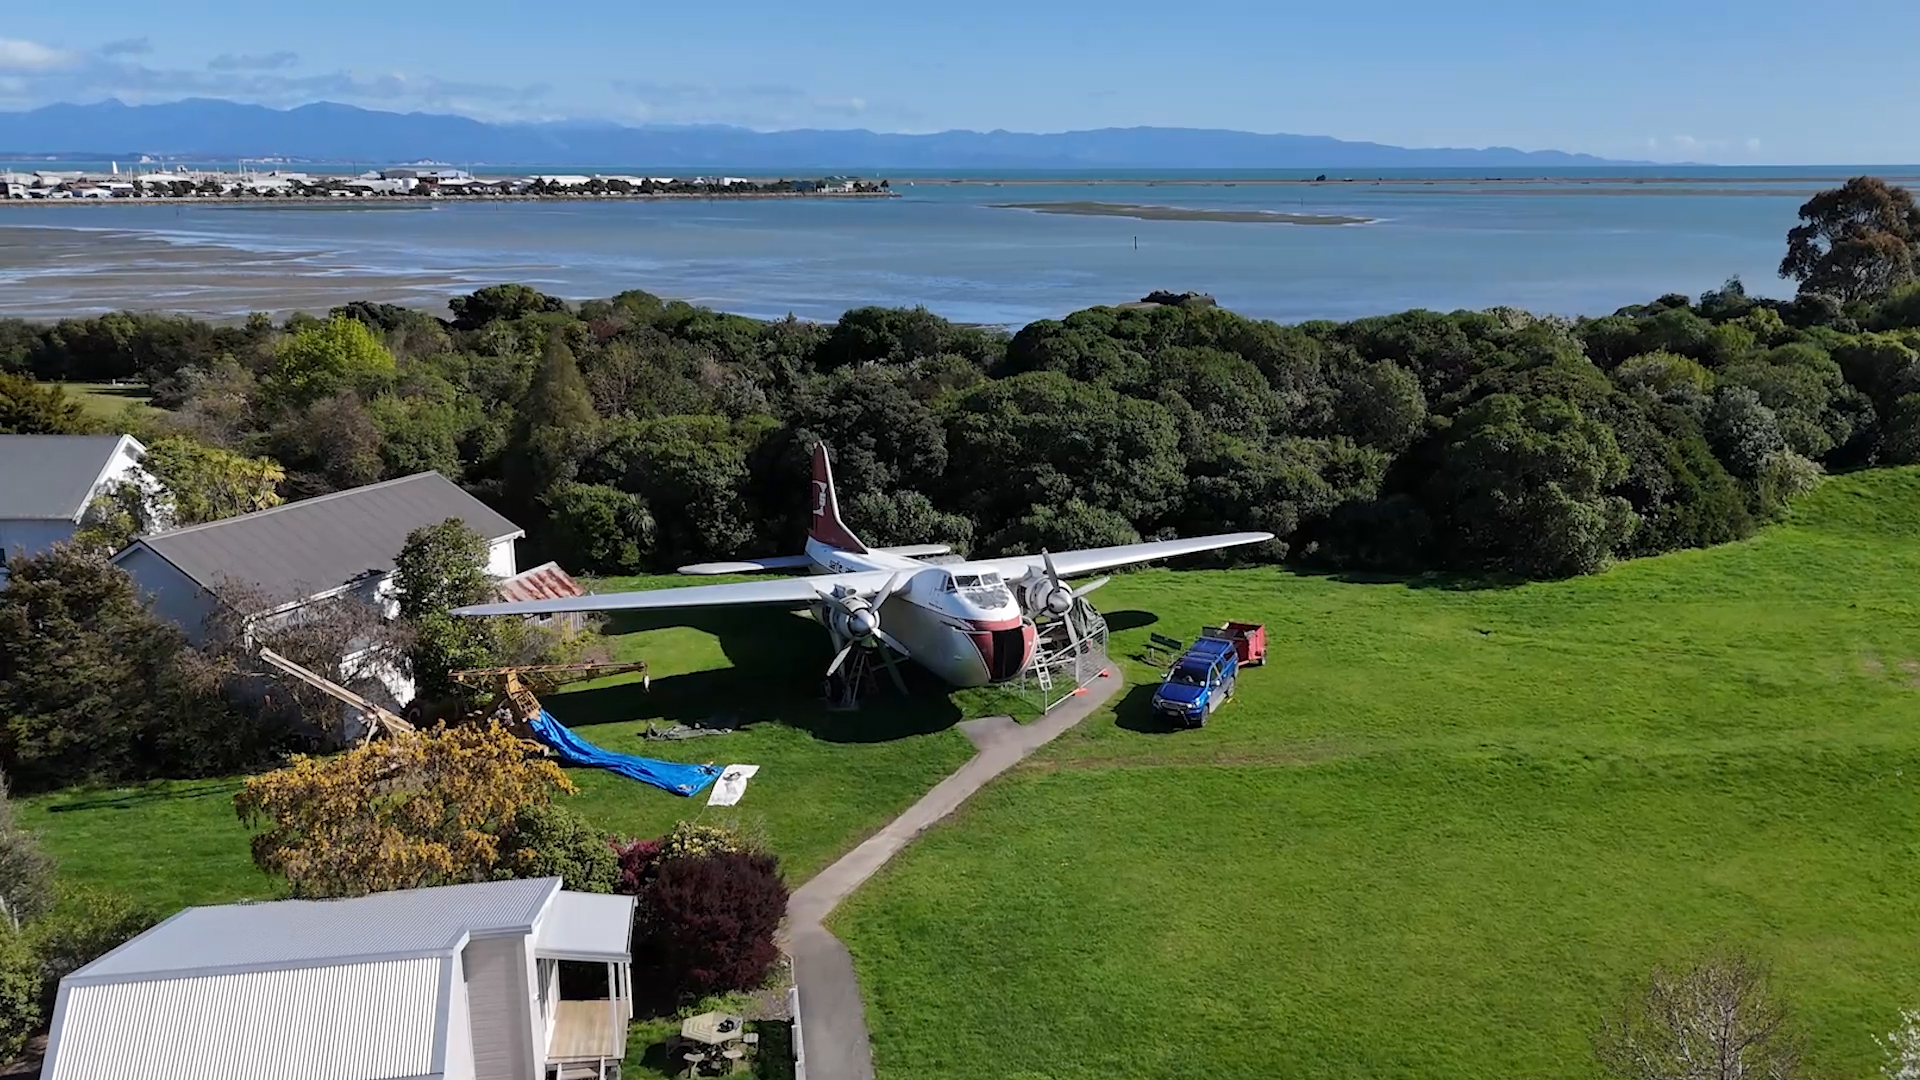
501,302
1381,404
549,840
443,567
1900,441
427,808
1717,1019
192,484
1743,432
710,920
93,686
27,408
26,874
906,517
1855,242
82,925
599,529
1527,487
551,423
1070,526
320,361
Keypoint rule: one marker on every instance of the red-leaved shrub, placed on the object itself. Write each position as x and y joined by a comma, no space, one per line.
710,920
638,860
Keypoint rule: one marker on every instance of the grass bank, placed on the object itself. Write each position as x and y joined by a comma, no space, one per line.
1445,830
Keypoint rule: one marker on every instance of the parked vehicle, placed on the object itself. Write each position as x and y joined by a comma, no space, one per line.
1249,640
1199,682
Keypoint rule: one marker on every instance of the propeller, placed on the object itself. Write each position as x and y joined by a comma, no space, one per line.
856,618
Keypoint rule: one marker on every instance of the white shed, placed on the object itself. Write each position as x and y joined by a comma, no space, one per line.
505,980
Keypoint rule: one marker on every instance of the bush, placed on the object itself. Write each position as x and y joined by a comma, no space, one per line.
20,1013
553,841
709,921
82,926
26,874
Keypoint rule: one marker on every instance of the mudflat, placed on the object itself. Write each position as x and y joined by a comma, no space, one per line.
1180,213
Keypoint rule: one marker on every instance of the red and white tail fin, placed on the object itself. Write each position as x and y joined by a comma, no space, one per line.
827,527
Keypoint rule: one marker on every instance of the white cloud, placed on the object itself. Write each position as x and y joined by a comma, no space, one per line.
138,46
272,61
18,54
1753,146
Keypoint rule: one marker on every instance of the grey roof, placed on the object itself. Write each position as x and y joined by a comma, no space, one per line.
587,926
308,547
50,477
315,933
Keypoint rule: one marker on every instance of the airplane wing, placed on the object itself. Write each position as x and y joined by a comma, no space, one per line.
1091,560
779,592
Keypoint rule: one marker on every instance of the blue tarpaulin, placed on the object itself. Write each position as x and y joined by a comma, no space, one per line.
665,775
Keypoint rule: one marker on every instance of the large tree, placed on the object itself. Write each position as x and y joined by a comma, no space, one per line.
401,813
193,483
27,408
320,361
1717,1019
442,567
1854,242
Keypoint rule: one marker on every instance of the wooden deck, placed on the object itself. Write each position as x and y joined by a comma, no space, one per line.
586,1031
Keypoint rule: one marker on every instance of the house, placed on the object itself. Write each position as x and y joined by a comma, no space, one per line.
293,555
501,980
48,481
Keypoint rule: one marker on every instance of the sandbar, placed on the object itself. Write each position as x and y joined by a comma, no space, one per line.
1180,213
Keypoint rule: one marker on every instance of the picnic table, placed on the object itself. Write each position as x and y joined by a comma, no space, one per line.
713,1041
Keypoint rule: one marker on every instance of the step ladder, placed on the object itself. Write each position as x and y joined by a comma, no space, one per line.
1044,676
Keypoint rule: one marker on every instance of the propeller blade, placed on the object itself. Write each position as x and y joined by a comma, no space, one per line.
897,582
891,642
1046,559
840,658
1091,585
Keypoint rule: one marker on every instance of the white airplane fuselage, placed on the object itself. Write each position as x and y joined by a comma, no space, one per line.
960,621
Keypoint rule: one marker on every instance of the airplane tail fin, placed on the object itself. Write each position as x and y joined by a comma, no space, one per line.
827,527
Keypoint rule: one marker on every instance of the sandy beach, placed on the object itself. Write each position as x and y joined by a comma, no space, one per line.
1178,213
77,271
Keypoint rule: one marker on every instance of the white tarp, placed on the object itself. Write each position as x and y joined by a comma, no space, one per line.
731,785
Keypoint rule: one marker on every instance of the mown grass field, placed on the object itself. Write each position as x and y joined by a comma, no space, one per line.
106,401
1445,830
826,780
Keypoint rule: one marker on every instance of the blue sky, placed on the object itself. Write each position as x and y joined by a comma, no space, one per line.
1761,81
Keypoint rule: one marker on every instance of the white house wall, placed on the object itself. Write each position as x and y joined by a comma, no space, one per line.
499,992
458,1063
500,560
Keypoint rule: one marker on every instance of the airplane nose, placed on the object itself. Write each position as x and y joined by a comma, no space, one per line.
1005,651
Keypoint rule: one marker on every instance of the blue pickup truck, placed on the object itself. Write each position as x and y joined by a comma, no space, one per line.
1198,683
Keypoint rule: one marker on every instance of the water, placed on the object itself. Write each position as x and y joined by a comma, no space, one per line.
1579,246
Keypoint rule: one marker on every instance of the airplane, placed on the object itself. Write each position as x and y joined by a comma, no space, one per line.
972,623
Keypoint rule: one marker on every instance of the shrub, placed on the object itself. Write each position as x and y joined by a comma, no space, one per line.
638,859
553,841
26,874
1717,1018
1786,477
82,926
20,1013
709,921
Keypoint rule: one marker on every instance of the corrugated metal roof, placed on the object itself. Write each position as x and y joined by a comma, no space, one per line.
309,547
48,477
587,926
373,1021
288,933
544,582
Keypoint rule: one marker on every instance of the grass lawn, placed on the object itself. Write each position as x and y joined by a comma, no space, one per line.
1445,830
826,779
106,401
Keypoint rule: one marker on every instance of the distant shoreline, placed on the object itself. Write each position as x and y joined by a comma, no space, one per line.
1382,181
1177,213
307,202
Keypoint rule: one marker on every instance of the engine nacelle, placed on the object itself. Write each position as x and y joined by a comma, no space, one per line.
854,619
1042,595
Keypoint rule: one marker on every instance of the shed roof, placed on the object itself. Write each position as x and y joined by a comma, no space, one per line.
309,547
544,582
587,926
300,933
51,477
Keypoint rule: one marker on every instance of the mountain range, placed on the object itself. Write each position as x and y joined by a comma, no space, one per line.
204,128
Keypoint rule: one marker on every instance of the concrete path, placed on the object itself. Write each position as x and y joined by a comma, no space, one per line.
833,1022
